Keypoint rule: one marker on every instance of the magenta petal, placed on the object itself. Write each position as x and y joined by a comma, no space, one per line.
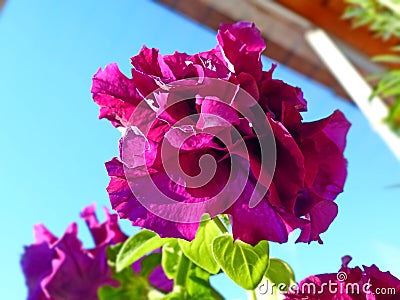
275,93
42,234
62,269
333,127
215,113
159,280
105,233
383,280
242,45
349,284
249,84
121,197
322,143
178,63
322,215
137,151
213,63
183,66
289,172
247,33
128,207
36,265
185,138
149,61
157,277
261,222
75,273
115,94
111,81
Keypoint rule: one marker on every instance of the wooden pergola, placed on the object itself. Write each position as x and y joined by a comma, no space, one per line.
284,23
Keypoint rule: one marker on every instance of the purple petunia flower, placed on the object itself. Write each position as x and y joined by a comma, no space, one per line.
60,268
348,284
300,183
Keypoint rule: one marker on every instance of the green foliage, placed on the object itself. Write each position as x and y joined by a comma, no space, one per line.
131,285
277,279
383,18
199,250
280,272
393,119
190,265
137,246
171,253
190,280
243,263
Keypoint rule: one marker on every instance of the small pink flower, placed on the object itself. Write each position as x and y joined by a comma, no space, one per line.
348,284
60,268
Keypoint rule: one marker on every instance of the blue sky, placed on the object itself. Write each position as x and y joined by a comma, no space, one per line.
53,146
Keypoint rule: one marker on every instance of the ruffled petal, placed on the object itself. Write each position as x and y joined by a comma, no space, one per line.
321,215
149,61
322,143
261,222
116,95
36,265
128,207
242,45
275,93
75,273
348,284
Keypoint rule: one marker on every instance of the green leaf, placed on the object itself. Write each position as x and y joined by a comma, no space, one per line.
243,263
225,220
351,12
171,253
386,84
131,287
137,246
277,280
108,293
387,58
197,281
391,92
199,250
199,287
149,263
279,272
392,5
395,48
112,252
393,119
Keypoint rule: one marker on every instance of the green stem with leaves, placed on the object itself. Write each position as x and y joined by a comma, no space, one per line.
182,272
251,295
220,225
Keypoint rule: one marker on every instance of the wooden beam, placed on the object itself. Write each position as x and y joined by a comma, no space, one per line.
292,51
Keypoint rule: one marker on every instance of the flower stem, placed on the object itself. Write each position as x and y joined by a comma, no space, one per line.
220,225
182,272
251,295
